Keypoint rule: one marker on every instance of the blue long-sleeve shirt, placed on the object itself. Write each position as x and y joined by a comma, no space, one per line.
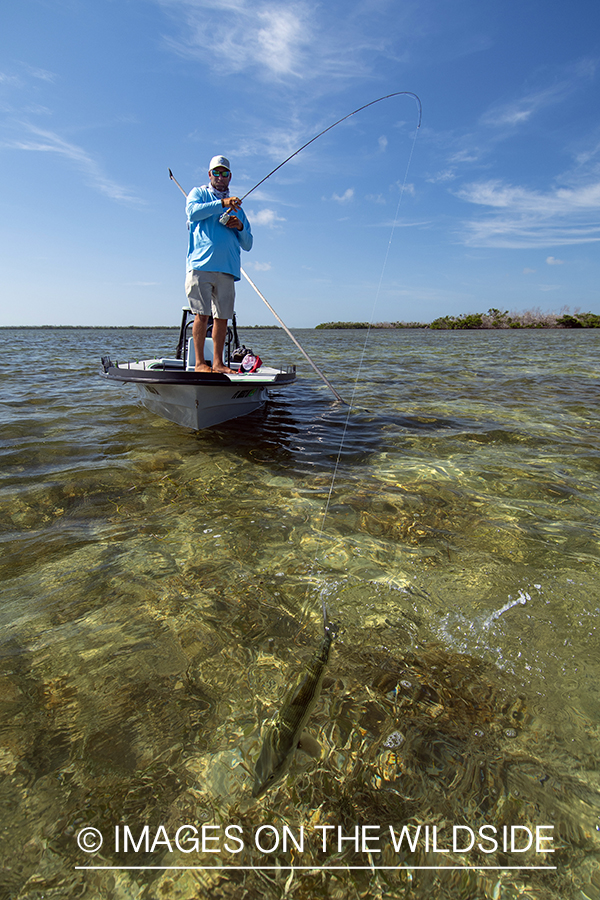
214,247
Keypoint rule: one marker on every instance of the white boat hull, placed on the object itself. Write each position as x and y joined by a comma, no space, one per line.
197,399
198,406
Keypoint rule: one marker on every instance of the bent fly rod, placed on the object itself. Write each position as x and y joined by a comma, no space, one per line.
276,169
329,127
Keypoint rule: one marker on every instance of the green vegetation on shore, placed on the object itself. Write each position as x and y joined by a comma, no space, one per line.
375,325
494,318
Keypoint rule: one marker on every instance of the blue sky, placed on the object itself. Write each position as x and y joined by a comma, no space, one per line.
501,199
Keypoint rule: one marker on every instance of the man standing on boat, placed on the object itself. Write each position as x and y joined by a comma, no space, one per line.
218,228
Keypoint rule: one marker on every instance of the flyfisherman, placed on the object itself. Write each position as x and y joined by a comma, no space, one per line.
218,228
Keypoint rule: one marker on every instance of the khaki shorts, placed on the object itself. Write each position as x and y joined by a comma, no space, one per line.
210,293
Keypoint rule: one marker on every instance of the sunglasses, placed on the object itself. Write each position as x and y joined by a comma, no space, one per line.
224,173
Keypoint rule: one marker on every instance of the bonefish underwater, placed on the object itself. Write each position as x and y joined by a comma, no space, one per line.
286,734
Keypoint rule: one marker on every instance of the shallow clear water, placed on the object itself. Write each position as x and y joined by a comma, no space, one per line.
161,589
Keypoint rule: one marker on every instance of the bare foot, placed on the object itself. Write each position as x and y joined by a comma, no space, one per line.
202,367
224,370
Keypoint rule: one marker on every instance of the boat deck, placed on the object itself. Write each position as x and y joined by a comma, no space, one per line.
171,371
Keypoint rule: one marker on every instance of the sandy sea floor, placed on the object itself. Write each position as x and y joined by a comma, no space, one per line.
161,590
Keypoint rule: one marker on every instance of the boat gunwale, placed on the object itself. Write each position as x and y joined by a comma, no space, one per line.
209,379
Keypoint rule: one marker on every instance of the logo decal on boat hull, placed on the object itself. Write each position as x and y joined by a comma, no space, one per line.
246,393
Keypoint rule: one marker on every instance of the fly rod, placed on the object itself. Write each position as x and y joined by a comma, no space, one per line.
339,121
280,320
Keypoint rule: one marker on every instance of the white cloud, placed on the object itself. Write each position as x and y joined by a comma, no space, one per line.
261,267
552,261
266,217
242,34
520,110
36,109
346,197
520,217
276,143
400,223
503,119
41,141
9,79
41,74
22,81
587,156
458,158
561,200
280,39
466,156
383,142
294,40
528,271
444,175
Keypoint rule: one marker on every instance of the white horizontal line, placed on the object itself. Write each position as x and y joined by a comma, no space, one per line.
314,868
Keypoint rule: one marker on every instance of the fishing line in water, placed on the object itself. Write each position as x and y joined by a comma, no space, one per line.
350,405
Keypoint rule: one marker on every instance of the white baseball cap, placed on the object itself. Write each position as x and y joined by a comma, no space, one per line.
219,161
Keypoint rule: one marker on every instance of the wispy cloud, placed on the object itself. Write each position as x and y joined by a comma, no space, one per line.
261,266
515,216
25,73
21,80
456,157
585,157
38,140
505,119
236,35
41,74
553,261
400,223
520,109
276,40
520,217
276,143
12,80
442,175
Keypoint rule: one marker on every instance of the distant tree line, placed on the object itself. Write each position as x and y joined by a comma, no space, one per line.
494,318
374,325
